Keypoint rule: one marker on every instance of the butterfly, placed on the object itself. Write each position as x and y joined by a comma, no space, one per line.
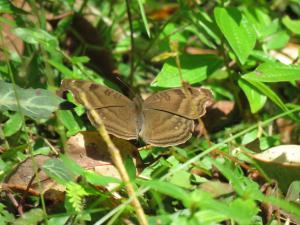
166,118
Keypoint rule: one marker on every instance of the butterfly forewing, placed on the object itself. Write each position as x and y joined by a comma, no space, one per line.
176,101
115,110
97,95
118,121
165,129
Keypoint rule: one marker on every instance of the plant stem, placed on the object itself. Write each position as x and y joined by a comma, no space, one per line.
131,43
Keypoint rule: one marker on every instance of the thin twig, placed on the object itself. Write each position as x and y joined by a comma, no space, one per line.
174,48
131,43
118,162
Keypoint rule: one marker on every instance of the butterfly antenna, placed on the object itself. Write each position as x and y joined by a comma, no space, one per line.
131,92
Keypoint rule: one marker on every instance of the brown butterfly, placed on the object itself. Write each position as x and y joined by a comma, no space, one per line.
164,119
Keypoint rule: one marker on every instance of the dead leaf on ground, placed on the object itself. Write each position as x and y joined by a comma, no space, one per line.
10,41
281,163
23,175
89,150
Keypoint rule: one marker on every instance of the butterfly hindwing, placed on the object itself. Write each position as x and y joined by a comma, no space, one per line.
165,129
176,101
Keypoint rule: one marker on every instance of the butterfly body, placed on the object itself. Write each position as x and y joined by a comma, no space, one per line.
165,118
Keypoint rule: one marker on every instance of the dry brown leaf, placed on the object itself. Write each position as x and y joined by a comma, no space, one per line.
22,177
10,40
89,150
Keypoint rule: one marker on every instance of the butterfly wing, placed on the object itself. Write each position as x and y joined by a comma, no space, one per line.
165,129
118,121
115,110
176,101
97,95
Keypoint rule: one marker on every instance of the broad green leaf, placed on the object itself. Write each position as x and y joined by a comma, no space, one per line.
168,189
36,36
58,220
34,103
277,40
259,19
194,68
172,33
274,72
13,125
56,169
32,217
205,28
264,89
244,186
67,119
292,25
63,69
249,137
237,30
97,179
6,7
241,211
181,179
261,56
255,98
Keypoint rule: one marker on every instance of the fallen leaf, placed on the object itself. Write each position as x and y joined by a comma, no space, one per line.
89,150
281,163
23,174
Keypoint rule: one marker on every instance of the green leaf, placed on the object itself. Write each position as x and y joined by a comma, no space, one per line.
204,24
292,25
13,125
63,69
5,216
33,217
67,119
35,103
269,93
259,19
168,189
37,36
6,7
241,211
255,98
97,179
277,40
244,186
75,194
144,17
237,30
181,179
194,68
55,169
274,72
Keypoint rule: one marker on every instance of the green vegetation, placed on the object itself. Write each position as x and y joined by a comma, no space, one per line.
56,169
